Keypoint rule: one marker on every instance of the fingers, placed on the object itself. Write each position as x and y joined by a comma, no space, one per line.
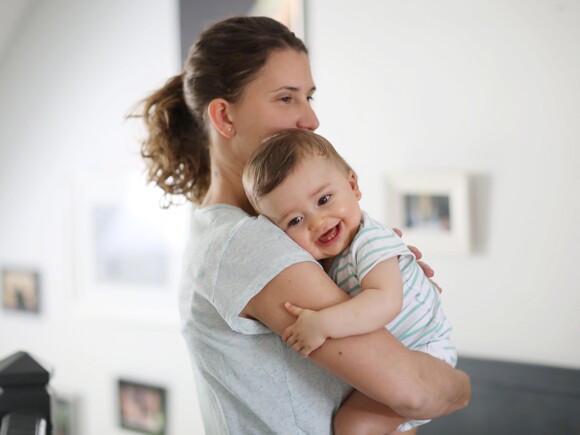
429,274
418,254
297,346
302,350
293,309
398,232
287,333
292,340
439,288
426,268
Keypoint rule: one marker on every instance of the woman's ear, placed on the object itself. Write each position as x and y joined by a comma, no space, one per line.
218,111
353,181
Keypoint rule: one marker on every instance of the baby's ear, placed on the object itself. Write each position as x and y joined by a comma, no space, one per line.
353,181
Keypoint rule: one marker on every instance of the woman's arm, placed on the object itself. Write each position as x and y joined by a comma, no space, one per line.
413,384
360,414
379,302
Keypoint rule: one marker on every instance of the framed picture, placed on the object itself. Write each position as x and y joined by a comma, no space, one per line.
65,415
432,210
127,249
142,407
20,290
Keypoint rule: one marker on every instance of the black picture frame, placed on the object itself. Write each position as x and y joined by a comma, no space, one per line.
142,407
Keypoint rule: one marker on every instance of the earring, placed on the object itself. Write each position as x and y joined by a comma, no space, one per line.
229,128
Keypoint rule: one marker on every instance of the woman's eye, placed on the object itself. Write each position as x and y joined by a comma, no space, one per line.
295,221
323,200
310,98
286,99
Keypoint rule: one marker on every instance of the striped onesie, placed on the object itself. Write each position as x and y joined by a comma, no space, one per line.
421,324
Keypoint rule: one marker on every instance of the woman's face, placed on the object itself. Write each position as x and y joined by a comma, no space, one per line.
278,98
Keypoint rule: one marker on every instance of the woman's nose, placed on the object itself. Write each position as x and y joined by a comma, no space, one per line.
308,120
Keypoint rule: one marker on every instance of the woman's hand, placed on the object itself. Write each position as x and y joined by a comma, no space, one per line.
429,272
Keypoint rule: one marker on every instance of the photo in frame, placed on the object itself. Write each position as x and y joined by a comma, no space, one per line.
432,210
126,248
66,414
142,407
20,290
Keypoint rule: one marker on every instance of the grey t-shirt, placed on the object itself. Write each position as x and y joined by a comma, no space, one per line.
248,380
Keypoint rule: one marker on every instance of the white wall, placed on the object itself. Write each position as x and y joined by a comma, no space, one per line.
70,75
490,87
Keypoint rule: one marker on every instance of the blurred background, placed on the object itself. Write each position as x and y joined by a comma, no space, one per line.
487,88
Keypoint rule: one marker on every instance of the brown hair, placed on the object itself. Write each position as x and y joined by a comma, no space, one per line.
279,155
225,58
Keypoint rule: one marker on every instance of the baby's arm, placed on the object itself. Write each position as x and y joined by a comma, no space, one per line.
378,303
413,384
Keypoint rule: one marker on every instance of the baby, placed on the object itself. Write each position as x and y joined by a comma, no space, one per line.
298,180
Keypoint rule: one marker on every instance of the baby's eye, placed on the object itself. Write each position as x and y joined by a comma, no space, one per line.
324,199
295,221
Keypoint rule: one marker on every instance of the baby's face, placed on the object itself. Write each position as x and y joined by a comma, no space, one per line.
317,206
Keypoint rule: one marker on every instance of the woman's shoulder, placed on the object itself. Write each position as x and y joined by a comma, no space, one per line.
228,226
218,216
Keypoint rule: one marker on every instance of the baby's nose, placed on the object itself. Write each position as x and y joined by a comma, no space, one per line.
315,222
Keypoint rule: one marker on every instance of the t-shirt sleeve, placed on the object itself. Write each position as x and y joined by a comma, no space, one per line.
373,245
254,255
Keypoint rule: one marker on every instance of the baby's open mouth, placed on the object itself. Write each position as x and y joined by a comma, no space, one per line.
328,237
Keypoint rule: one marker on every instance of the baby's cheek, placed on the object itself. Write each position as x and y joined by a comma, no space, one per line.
305,243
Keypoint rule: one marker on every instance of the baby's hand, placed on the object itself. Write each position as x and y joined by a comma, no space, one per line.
305,335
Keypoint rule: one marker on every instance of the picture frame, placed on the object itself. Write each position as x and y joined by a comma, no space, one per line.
432,208
21,290
142,407
126,248
66,414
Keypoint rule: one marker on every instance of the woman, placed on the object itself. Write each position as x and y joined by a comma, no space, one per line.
246,78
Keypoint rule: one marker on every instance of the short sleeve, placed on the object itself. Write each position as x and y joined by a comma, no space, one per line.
373,244
254,255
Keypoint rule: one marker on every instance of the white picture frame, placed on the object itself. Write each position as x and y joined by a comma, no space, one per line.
126,249
432,208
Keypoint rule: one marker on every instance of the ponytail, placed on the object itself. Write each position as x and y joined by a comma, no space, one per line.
226,57
176,148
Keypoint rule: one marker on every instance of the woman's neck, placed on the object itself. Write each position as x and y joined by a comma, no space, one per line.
226,188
